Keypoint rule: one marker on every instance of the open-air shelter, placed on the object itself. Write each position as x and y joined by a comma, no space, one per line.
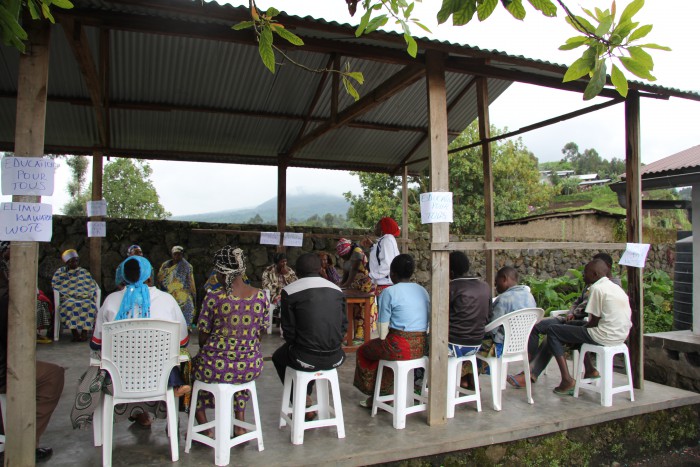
170,79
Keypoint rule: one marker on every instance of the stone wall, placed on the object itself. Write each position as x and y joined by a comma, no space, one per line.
673,359
202,240
576,227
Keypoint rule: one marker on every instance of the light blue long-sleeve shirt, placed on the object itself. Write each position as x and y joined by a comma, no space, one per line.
405,306
515,298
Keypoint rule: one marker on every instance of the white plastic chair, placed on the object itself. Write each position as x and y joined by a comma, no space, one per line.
3,404
224,423
139,355
57,311
456,394
517,326
604,384
294,413
403,400
268,311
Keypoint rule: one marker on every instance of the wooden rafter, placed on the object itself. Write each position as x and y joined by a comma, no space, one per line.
393,85
161,107
456,100
79,45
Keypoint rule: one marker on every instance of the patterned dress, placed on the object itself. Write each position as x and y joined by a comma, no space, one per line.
77,289
178,280
232,352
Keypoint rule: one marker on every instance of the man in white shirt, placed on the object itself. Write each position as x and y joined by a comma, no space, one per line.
609,321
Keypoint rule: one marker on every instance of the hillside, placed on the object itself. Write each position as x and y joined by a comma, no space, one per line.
299,207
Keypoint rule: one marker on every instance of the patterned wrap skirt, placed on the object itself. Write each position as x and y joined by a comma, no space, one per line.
398,345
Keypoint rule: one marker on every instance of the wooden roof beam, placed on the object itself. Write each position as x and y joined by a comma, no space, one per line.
456,100
79,45
393,85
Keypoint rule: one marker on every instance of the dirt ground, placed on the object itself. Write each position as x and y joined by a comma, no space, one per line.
685,457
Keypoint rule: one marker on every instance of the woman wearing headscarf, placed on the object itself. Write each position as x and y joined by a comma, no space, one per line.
328,271
140,300
231,321
383,253
355,277
77,290
276,277
176,277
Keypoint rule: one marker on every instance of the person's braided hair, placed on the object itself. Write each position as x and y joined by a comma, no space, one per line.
230,262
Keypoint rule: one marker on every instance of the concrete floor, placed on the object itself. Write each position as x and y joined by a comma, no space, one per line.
368,440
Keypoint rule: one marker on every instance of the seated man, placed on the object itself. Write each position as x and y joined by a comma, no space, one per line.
314,322
512,297
609,321
538,349
49,380
141,300
470,307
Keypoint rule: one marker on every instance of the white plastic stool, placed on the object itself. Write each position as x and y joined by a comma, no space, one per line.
456,394
224,421
404,399
294,414
3,404
604,384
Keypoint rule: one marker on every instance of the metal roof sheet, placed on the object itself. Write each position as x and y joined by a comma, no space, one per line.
182,85
686,159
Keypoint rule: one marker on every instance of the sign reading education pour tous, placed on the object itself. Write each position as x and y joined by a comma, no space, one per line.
26,222
31,176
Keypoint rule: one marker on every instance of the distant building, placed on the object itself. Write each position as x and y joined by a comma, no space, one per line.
589,225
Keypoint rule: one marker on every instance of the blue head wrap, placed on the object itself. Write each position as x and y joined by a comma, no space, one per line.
137,299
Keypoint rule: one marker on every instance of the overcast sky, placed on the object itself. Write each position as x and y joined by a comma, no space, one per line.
667,126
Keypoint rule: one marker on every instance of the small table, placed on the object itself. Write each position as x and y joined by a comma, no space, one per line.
355,297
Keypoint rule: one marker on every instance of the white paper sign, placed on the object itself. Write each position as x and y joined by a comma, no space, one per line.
635,255
293,239
97,229
26,222
27,176
269,238
436,207
97,208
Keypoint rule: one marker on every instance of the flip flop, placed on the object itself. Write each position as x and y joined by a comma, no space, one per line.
565,392
366,403
514,382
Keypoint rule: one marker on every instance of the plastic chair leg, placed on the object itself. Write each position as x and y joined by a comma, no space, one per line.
171,405
107,426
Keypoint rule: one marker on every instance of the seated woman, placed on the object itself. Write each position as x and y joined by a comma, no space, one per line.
356,277
328,271
403,323
77,290
275,278
176,277
230,324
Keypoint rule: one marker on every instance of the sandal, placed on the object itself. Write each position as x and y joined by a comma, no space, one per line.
366,403
564,392
514,382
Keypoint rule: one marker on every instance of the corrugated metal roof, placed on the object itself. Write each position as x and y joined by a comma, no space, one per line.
686,159
183,86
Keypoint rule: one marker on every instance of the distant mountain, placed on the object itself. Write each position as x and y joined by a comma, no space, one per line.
299,207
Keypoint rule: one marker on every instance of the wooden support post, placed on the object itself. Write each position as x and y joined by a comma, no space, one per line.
482,103
404,210
695,193
439,232
281,202
634,235
21,361
96,242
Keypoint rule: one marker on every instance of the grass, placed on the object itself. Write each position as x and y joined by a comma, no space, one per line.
600,198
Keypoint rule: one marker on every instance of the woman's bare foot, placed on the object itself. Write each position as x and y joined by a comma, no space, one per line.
239,431
309,416
467,382
591,374
182,390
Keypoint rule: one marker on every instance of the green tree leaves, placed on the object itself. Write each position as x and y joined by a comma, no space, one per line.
462,11
516,187
610,41
265,25
127,188
11,31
